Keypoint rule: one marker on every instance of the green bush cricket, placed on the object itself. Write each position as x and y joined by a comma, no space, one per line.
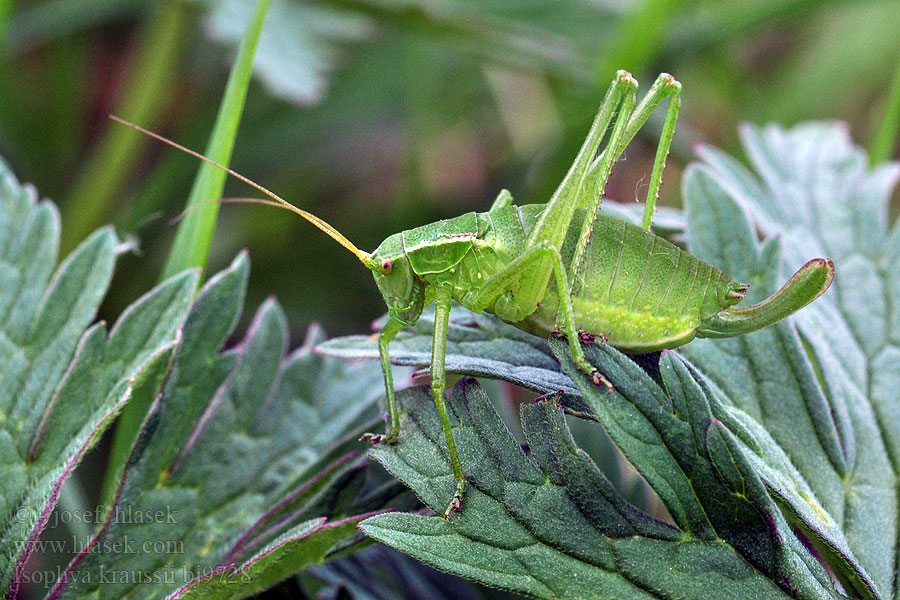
562,266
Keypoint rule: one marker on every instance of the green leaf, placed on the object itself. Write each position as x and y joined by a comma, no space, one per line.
827,391
477,345
548,524
248,463
307,544
60,386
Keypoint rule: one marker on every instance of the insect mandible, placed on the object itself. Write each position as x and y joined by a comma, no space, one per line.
562,266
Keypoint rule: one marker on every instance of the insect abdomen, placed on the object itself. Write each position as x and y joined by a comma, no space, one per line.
639,290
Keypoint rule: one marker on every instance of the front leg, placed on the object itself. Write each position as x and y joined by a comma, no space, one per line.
384,339
442,299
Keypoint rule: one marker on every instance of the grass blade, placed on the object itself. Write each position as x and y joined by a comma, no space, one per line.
5,10
885,139
195,232
146,96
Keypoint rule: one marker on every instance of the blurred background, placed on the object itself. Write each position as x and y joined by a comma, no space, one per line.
380,115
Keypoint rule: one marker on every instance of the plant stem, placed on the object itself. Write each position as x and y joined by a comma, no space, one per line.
194,236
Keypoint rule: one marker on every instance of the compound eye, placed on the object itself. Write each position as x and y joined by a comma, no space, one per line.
386,265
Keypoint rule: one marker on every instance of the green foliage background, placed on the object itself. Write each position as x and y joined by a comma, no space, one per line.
382,115
379,115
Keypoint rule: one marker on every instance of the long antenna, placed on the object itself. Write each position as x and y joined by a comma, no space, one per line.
276,201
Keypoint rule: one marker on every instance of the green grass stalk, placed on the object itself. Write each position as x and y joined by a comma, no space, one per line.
194,235
146,94
884,142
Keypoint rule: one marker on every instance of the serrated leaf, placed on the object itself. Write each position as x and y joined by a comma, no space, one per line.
60,386
381,573
244,460
827,396
477,345
548,525
306,544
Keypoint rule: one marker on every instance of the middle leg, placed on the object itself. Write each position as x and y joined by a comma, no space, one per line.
520,266
442,299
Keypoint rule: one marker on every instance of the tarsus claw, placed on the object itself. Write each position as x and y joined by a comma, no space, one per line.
455,506
378,438
456,503
599,379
